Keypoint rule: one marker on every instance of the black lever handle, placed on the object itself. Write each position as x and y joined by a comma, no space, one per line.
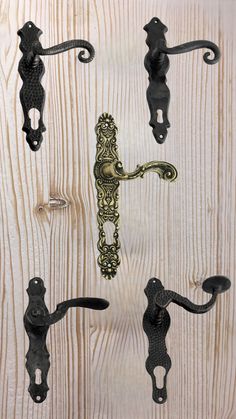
156,322
156,63
31,69
37,321
32,48
187,47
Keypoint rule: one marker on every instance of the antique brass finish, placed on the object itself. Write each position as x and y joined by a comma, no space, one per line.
115,170
108,171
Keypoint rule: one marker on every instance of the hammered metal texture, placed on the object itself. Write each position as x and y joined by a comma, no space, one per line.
156,322
32,94
156,332
31,69
37,356
37,320
156,63
158,93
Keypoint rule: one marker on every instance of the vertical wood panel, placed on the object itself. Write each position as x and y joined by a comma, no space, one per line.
180,233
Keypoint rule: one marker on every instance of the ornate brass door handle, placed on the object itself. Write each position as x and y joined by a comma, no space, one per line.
31,69
156,63
109,171
37,321
156,323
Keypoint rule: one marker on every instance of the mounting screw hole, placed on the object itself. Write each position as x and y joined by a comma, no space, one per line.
38,398
161,136
35,142
30,26
36,281
155,21
160,399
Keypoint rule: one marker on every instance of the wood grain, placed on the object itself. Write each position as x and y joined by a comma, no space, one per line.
180,233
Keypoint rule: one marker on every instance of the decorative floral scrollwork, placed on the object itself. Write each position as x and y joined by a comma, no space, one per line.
108,171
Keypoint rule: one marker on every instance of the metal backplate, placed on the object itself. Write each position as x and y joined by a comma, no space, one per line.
107,195
37,355
158,94
156,324
32,94
109,171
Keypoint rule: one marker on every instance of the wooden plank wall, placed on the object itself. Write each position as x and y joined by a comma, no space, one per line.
180,233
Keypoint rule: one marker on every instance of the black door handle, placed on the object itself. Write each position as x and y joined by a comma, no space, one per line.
156,322
31,69
37,321
157,63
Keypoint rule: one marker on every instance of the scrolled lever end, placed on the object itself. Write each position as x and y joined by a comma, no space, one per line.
216,284
91,52
216,57
191,46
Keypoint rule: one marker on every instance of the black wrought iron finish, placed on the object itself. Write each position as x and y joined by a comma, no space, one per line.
31,69
156,63
156,322
37,321
108,172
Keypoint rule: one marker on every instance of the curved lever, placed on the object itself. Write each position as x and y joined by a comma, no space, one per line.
156,322
108,172
157,65
37,321
190,46
115,170
32,48
64,46
215,286
31,69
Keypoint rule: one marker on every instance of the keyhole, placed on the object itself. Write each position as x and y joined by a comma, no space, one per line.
160,116
34,116
109,229
159,373
38,376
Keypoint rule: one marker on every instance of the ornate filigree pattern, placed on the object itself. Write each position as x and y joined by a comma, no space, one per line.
108,171
107,195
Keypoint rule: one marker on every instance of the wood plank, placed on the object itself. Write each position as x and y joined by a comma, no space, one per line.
180,233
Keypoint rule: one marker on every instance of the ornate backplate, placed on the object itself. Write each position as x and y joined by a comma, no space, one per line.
107,195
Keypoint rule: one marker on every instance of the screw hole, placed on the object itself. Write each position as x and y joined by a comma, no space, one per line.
38,398
161,136
30,26
35,281
160,399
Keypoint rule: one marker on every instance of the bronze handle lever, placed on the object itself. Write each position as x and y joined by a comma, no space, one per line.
108,172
